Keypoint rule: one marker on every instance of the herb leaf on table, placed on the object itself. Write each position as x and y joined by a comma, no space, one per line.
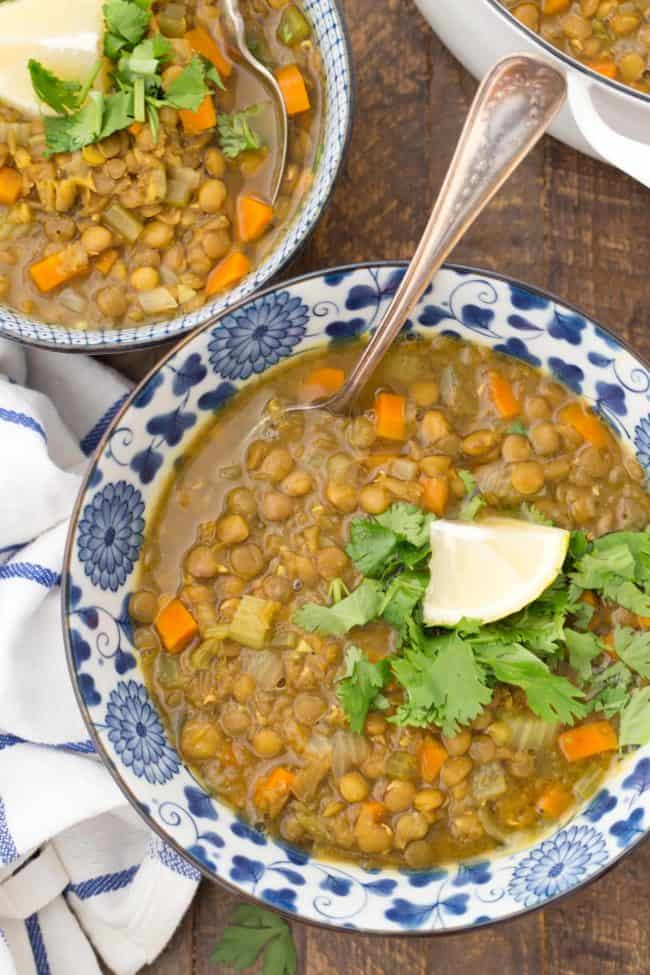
251,932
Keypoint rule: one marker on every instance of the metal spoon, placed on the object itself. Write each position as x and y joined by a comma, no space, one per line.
238,30
513,107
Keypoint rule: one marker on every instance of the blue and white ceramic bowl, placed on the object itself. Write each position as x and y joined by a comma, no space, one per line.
133,462
331,36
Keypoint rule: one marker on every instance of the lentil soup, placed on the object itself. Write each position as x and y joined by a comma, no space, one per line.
294,716
611,37
156,218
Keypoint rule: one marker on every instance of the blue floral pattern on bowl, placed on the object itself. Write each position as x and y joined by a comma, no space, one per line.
330,34
132,467
110,534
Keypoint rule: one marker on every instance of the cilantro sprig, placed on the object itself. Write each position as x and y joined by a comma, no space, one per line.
252,932
85,116
235,132
447,676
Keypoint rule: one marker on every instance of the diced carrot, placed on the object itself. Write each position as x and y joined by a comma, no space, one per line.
11,184
432,757
390,416
135,128
606,68
203,43
435,493
60,267
176,626
608,640
227,273
503,396
322,382
589,598
555,6
203,118
292,86
586,424
105,261
643,622
587,740
253,216
554,800
274,789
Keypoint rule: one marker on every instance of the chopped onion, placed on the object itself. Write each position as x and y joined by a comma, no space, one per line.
15,133
403,468
157,300
72,300
348,750
488,781
266,667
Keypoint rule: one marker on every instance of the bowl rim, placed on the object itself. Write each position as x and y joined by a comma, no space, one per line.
111,348
573,63
66,579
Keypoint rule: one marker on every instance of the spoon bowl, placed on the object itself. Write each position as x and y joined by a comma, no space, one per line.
238,30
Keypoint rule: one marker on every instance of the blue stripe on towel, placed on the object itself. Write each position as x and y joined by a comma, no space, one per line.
35,936
93,436
103,883
8,851
86,747
23,420
32,572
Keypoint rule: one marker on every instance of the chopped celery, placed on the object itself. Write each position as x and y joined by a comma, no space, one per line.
293,27
168,671
122,222
530,733
252,621
180,186
205,652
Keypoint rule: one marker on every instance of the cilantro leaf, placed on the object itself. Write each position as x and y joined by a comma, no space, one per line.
118,113
213,75
370,546
235,133
402,596
583,649
609,689
58,94
474,500
253,930
633,648
617,565
551,697
188,89
357,609
337,590
518,427
360,686
66,133
408,522
444,682
635,719
126,24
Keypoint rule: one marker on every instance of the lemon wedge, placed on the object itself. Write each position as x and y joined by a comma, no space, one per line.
489,569
65,35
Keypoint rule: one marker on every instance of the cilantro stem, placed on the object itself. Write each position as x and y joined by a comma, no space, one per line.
89,82
139,109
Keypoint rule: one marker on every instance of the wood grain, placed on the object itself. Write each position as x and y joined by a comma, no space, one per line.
565,223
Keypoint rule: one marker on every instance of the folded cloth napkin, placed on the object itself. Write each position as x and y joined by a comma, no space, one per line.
77,865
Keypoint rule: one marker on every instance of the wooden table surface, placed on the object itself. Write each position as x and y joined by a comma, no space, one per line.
564,223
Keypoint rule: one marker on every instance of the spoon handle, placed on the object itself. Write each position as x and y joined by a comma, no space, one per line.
513,107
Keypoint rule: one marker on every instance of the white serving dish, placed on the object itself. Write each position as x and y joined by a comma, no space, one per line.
602,118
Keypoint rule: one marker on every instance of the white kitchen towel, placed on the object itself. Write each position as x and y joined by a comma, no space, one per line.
77,865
